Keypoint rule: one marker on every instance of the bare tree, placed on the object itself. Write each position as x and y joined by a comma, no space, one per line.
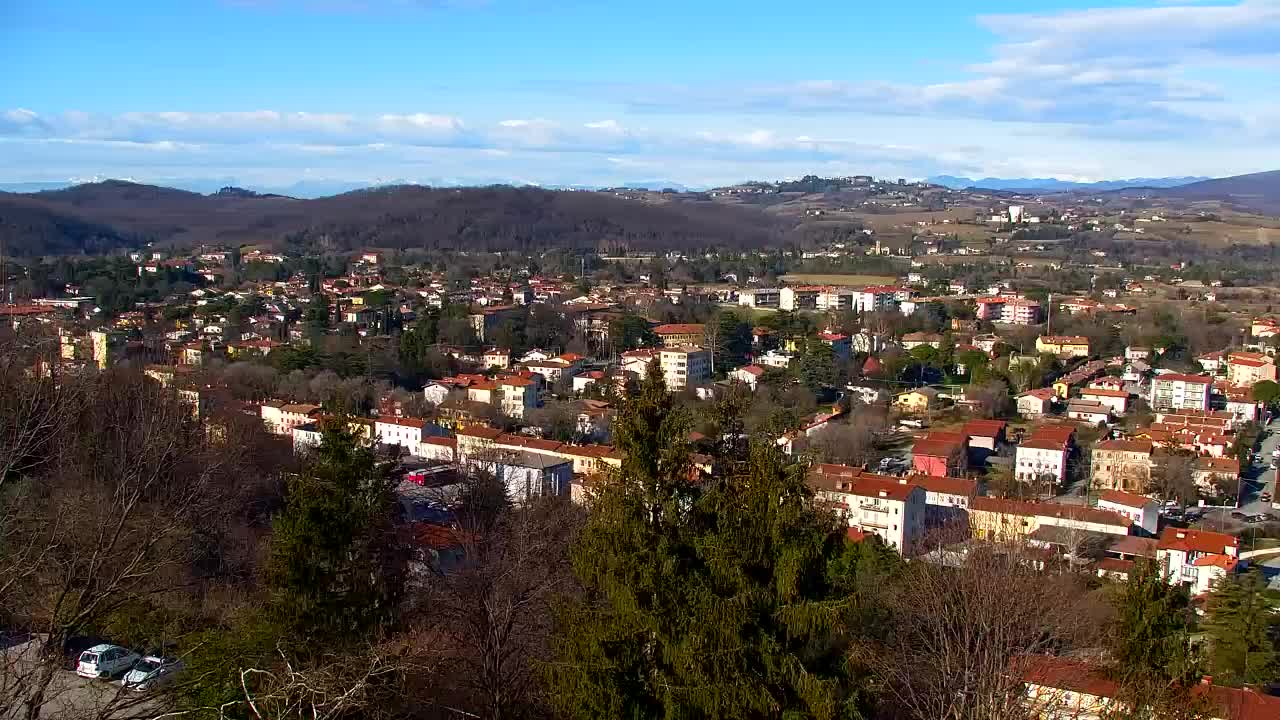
1173,477
954,632
108,520
852,442
490,620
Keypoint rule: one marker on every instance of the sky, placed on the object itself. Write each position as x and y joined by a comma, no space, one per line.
268,93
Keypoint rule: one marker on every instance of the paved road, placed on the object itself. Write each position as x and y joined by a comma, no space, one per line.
1256,479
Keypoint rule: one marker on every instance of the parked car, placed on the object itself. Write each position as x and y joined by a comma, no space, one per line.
1265,497
152,671
105,661
1257,518
1238,515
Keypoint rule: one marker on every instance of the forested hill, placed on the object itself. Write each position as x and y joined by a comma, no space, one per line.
102,216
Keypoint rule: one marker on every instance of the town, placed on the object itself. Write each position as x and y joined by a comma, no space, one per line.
969,372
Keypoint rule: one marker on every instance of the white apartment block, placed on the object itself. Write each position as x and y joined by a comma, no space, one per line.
759,297
1174,391
1038,457
685,367
892,508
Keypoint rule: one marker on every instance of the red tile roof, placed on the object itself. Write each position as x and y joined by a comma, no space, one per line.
679,329
863,485
984,428
1179,377
1056,510
1120,497
1134,446
933,447
1202,541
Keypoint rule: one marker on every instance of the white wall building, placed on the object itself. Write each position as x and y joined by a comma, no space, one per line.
684,367
892,508
1142,510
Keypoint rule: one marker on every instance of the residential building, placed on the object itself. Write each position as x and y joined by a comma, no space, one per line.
681,334
939,456
799,298
638,361
759,297
1137,352
1039,458
435,393
1034,403
1212,362
911,341
984,438
527,475
917,401
1059,688
1089,411
1000,519
1175,391
685,367
1246,369
1196,558
496,358
1117,401
840,345
775,359
1008,309
1063,345
1142,510
404,432
892,508
749,375
106,347
1123,465
517,395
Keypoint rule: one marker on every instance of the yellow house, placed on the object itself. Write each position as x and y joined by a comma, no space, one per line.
1068,345
916,401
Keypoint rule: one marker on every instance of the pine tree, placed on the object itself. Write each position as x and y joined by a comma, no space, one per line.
1240,629
334,570
1150,646
701,601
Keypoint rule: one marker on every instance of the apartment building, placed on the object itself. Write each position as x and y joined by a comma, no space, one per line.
1244,369
1041,457
1175,391
1140,509
1009,310
680,334
759,297
1063,345
685,367
892,508
1122,465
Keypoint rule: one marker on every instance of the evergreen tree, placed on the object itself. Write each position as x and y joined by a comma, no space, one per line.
334,571
1241,628
714,600
1150,645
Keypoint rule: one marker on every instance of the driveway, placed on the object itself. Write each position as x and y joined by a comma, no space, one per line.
71,696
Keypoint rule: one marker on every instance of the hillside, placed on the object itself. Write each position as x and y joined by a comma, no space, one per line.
1256,191
102,216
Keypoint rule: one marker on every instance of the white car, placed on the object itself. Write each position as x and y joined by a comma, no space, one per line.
152,671
104,661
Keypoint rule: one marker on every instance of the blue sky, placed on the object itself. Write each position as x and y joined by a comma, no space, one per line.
270,92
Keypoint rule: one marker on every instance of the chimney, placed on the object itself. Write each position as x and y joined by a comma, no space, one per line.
1206,680
1182,535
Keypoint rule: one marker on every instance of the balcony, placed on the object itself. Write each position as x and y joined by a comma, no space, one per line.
873,507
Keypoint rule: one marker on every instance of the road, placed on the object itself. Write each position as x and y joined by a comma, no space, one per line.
1255,480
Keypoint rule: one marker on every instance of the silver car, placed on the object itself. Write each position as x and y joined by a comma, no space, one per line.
152,671
104,661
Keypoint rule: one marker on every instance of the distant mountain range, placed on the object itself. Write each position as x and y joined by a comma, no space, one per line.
1056,185
105,216
310,189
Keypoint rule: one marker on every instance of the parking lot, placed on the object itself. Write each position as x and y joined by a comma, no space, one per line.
71,696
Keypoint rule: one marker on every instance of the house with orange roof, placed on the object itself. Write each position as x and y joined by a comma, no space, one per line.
1196,558
1057,688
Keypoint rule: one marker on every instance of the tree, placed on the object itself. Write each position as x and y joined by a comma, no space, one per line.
1149,640
334,570
1241,625
1266,392
1173,478
630,332
714,604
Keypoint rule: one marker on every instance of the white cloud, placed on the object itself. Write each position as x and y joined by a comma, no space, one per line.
1139,68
